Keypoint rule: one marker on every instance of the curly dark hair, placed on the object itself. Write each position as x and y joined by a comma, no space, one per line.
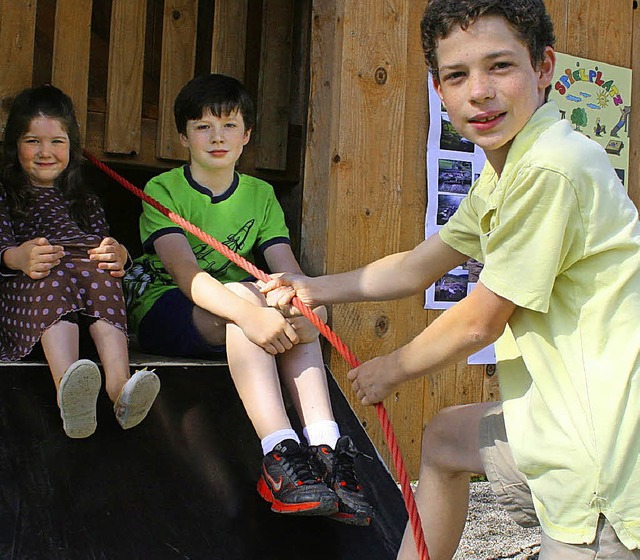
528,18
45,101
220,94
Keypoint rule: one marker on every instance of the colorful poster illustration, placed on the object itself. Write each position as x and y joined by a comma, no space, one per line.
596,99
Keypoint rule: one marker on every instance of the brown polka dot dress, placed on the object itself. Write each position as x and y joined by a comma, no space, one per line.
29,307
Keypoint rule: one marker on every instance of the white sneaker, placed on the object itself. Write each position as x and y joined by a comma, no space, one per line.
136,397
77,396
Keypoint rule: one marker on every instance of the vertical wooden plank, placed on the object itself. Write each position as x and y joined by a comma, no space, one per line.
408,416
228,45
558,11
601,33
17,32
124,84
377,203
177,68
274,85
71,46
634,127
322,122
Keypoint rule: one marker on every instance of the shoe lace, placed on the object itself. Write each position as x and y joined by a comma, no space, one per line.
297,467
344,467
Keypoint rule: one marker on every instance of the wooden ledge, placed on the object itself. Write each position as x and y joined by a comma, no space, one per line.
137,358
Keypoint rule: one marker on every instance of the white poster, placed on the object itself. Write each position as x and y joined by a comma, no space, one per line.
453,164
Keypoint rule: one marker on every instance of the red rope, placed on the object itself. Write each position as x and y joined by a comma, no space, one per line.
332,337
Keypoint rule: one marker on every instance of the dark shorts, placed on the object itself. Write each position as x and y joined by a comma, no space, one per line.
168,329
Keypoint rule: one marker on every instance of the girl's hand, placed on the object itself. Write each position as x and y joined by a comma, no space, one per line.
111,256
35,257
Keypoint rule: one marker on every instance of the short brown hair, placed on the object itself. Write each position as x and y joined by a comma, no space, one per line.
528,18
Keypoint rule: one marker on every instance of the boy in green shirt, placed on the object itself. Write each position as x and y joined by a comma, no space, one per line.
559,294
186,299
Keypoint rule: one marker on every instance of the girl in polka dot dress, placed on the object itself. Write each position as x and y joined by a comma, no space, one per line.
59,268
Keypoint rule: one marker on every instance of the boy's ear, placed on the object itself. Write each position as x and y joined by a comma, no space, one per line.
437,86
184,140
247,136
547,67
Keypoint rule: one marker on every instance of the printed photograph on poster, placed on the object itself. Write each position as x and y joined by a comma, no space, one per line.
450,139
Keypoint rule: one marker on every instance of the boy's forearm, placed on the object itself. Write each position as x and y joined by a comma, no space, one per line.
209,294
392,277
462,330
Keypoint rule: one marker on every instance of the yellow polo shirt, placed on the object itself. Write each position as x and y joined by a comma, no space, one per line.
560,238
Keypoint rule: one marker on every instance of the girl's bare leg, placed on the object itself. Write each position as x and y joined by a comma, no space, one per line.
111,344
450,454
60,344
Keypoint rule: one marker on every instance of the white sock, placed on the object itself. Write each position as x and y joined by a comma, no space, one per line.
269,442
324,432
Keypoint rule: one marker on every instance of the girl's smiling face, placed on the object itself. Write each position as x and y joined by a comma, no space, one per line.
43,151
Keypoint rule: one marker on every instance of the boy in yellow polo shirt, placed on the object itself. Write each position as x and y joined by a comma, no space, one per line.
559,292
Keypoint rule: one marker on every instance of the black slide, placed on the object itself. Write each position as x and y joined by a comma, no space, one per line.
180,486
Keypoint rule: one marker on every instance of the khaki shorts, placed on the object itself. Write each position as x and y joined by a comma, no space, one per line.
513,493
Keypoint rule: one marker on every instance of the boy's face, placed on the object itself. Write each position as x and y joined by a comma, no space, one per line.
215,143
488,84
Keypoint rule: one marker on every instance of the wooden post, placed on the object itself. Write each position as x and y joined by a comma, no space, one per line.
370,95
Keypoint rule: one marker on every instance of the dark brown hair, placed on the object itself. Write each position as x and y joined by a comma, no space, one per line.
528,18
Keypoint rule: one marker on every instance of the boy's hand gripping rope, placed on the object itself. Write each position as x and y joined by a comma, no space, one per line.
338,344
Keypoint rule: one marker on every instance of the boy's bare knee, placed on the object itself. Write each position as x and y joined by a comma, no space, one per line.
450,441
248,291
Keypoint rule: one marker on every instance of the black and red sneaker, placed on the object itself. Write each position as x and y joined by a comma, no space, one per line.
291,486
337,469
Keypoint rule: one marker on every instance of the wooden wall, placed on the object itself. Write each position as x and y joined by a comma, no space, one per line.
341,93
124,61
365,184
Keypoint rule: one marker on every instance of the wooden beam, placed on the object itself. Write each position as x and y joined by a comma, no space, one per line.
228,45
71,47
274,89
124,83
177,68
17,32
322,121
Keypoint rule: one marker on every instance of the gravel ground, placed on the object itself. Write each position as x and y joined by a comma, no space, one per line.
490,534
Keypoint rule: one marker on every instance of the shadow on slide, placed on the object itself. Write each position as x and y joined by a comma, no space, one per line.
179,486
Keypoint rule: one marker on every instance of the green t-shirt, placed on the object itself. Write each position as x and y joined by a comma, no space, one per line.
246,218
560,238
